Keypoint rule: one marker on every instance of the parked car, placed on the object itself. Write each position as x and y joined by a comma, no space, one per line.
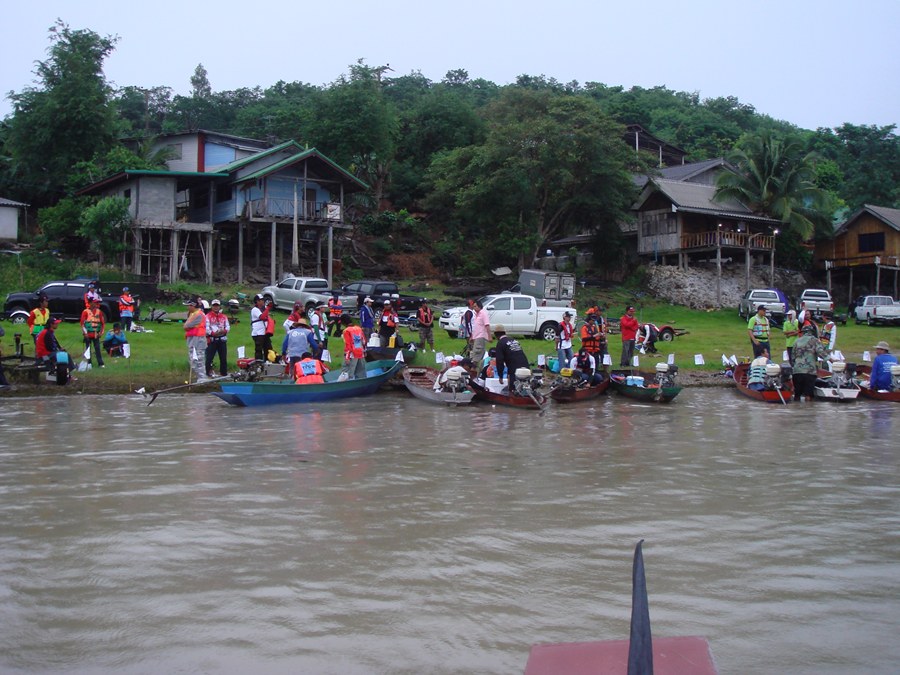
309,291
876,309
519,314
772,298
380,291
817,301
66,301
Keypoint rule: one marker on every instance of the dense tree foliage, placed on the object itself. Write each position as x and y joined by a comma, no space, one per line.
489,172
65,119
548,162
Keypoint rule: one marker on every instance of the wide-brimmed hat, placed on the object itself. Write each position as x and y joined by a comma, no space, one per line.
368,299
883,345
301,321
499,328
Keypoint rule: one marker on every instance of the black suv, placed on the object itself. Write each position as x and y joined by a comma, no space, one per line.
380,291
66,301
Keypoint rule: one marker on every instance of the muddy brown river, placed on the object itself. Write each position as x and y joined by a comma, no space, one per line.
384,535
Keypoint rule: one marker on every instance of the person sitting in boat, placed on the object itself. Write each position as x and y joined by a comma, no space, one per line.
489,368
510,355
756,377
458,371
807,352
309,370
585,365
880,379
114,341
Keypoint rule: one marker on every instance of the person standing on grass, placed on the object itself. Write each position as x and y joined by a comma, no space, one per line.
481,332
629,327
425,317
758,329
195,334
791,330
259,317
92,324
217,328
126,308
367,318
38,317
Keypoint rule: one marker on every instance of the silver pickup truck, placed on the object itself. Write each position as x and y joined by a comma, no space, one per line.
818,302
876,309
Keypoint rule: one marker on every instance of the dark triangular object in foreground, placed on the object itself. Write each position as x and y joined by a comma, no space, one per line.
640,647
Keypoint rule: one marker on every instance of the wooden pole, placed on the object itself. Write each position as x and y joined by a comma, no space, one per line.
272,245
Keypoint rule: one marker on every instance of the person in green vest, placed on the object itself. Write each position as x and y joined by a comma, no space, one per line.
791,330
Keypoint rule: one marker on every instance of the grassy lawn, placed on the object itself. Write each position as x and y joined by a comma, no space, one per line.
159,358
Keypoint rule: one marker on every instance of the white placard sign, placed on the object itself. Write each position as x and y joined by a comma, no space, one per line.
698,360
126,350
439,357
867,356
241,351
635,361
671,359
541,360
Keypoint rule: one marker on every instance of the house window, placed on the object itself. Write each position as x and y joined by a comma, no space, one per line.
870,243
174,150
671,223
223,193
127,194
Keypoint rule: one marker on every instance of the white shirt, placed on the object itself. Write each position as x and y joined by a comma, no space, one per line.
257,326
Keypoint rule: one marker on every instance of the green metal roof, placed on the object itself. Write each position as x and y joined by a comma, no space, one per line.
125,175
306,154
238,163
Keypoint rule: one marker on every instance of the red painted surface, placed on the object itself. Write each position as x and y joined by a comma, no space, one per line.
671,656
201,152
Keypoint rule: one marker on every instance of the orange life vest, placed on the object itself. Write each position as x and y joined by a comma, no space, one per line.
335,307
92,322
309,371
196,331
425,316
590,337
126,303
37,319
354,342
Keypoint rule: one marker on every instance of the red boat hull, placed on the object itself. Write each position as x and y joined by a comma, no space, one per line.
512,401
573,394
876,395
741,372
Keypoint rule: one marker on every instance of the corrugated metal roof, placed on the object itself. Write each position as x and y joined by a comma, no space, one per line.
699,198
307,154
890,217
10,202
243,161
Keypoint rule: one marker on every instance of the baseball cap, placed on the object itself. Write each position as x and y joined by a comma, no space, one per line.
216,302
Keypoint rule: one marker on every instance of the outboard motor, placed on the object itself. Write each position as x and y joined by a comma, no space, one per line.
895,376
665,374
526,383
774,378
456,380
839,376
569,378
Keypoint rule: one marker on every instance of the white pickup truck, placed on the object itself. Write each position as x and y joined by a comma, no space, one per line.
519,314
875,309
309,291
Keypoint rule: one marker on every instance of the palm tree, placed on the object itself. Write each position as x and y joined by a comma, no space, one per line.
775,179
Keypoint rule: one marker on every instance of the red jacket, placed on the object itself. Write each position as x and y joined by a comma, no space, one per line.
629,327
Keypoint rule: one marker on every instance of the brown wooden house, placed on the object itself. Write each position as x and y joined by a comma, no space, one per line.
864,246
679,222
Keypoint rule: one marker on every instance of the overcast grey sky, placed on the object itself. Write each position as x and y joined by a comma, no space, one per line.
813,63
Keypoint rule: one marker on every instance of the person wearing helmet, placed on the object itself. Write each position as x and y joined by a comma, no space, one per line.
807,352
38,317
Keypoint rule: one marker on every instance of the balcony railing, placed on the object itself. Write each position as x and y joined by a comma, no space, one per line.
718,238
283,209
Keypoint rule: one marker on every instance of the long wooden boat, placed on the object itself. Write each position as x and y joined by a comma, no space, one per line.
286,391
741,374
564,394
865,392
648,393
539,401
419,380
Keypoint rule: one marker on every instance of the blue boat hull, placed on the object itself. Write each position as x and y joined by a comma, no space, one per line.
273,393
